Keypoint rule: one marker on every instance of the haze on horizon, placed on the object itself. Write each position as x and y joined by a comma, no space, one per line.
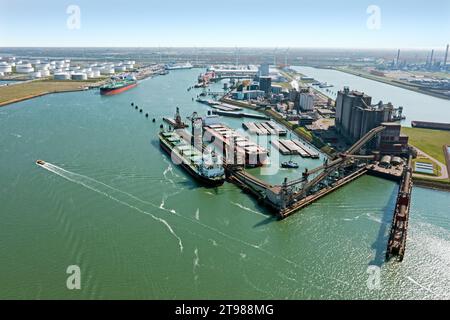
369,24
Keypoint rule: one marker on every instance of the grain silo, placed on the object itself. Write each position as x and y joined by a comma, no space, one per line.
24,68
45,72
35,75
120,68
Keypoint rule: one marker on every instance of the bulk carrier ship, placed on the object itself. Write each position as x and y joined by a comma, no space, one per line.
118,85
206,168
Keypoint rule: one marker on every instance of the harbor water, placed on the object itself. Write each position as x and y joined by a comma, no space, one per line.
109,201
416,106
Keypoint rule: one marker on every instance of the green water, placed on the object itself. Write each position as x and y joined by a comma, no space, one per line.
140,228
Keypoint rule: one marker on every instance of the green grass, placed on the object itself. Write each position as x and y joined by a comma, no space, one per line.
429,141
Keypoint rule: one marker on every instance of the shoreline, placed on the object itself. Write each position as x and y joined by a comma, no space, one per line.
392,83
287,124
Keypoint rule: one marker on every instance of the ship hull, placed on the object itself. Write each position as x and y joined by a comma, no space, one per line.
205,181
110,92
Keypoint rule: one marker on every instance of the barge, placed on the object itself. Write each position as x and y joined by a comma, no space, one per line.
116,86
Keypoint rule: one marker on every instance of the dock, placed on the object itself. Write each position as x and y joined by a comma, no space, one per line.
282,149
399,226
173,123
264,128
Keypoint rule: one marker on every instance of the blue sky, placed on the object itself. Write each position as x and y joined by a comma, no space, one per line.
226,23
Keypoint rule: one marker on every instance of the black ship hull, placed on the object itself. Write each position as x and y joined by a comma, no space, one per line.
203,180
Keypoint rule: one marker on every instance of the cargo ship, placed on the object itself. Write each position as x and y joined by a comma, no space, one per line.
205,168
116,86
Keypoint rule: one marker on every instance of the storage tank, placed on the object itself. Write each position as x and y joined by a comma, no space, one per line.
35,75
61,76
79,76
129,66
24,68
396,161
95,73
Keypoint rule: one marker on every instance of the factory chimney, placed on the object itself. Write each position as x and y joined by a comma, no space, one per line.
431,58
445,58
398,57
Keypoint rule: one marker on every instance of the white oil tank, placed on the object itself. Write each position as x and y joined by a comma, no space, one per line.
45,73
24,68
5,68
35,75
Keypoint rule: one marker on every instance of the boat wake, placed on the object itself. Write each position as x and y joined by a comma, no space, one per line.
103,189
247,209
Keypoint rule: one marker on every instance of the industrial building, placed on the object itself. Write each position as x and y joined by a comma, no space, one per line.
263,70
306,101
265,84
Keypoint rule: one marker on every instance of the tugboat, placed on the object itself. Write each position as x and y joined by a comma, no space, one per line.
118,85
289,164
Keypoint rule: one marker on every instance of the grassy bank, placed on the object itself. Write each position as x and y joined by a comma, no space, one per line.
22,91
429,141
443,185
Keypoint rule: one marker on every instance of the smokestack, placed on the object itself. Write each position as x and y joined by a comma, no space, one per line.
398,56
445,58
431,58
